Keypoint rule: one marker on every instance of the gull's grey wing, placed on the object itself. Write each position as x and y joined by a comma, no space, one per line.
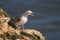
12,24
16,19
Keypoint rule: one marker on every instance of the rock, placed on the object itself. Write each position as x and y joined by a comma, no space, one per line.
4,27
4,23
33,33
27,34
1,38
1,32
2,12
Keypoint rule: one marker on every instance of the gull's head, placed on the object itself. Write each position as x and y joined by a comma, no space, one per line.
29,12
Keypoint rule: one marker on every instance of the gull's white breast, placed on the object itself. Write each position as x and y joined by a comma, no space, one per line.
22,21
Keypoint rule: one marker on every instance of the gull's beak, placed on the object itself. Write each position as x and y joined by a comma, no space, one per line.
32,14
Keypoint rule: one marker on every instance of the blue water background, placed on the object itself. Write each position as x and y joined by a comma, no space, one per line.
46,18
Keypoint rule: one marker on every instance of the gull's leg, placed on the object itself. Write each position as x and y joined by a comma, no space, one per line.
18,27
22,27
